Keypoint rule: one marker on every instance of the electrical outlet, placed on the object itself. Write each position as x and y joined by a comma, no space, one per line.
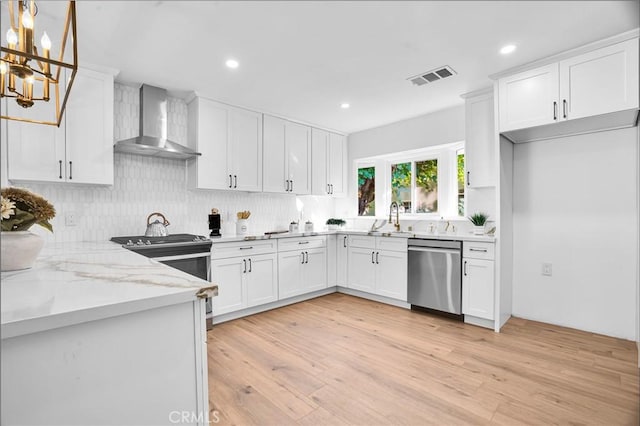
547,269
70,219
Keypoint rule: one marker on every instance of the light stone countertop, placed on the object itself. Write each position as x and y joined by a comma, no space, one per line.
73,283
385,233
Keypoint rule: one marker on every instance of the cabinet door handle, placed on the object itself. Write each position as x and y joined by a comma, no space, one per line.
60,165
372,254
468,178
564,108
480,250
377,254
235,181
303,242
244,262
246,248
70,170
230,182
344,241
302,254
250,266
465,268
328,189
331,189
555,111
291,190
286,185
307,256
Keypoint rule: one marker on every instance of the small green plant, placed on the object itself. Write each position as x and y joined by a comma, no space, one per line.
334,221
478,219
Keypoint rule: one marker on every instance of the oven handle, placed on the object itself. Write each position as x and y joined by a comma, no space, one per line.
181,257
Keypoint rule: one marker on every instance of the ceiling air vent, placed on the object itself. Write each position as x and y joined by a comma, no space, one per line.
433,75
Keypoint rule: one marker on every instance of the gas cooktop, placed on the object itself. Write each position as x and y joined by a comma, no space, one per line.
176,239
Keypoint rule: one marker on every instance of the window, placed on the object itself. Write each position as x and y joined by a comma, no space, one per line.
367,191
460,156
421,191
427,183
401,186
427,186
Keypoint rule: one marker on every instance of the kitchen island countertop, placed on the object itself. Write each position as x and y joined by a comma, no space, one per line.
73,283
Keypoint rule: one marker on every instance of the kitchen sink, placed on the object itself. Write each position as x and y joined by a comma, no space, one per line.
389,233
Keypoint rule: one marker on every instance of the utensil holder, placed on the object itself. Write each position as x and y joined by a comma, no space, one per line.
242,227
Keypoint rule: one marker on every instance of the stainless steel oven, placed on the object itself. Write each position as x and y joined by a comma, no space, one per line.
185,252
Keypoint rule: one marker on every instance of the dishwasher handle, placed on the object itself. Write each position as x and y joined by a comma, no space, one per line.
434,250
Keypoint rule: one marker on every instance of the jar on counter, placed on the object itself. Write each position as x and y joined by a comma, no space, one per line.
293,227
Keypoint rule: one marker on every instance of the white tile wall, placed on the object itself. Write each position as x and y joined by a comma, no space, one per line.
143,185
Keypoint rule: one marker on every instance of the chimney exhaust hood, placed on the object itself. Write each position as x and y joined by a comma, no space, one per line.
153,141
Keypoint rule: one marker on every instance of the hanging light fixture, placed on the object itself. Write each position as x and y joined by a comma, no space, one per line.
29,75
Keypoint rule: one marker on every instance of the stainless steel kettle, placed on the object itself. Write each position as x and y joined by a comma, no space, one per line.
157,228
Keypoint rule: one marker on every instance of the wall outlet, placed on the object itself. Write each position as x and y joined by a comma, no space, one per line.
70,219
547,269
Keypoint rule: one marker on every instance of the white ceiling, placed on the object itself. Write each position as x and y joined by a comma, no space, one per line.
302,59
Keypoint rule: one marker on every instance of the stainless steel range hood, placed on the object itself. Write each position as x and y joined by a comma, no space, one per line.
153,141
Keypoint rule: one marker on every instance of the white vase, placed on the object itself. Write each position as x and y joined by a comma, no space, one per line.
19,249
478,230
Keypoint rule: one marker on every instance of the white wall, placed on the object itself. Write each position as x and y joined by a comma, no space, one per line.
143,185
575,207
440,127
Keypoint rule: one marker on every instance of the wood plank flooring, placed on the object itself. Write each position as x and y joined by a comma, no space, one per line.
340,360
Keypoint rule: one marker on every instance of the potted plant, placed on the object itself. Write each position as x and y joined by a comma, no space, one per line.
479,220
333,224
21,209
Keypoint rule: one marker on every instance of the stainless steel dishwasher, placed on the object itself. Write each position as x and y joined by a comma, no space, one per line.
435,275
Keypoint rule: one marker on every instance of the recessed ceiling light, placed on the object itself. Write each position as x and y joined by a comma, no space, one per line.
232,63
344,105
509,48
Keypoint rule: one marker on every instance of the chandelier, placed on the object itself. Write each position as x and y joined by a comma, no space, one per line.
30,75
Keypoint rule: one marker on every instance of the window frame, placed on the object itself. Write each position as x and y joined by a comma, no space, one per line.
447,180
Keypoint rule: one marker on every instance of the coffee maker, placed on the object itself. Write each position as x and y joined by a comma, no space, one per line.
214,223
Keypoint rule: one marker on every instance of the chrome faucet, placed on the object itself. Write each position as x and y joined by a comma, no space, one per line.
397,222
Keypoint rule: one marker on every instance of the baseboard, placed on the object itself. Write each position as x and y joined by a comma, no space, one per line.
273,305
374,297
481,322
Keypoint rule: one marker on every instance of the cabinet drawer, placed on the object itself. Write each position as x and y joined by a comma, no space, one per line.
392,244
242,248
288,244
473,250
362,241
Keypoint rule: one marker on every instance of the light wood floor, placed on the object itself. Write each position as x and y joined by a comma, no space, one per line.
339,360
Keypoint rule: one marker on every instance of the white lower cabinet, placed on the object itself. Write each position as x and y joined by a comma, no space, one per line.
342,263
301,271
377,270
391,274
478,280
244,282
362,269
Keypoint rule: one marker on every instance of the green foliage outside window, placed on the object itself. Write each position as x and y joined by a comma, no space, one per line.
461,184
366,191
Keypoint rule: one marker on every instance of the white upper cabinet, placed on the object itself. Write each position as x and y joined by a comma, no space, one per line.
80,150
480,143
602,81
230,141
329,163
529,99
599,82
287,156
89,134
